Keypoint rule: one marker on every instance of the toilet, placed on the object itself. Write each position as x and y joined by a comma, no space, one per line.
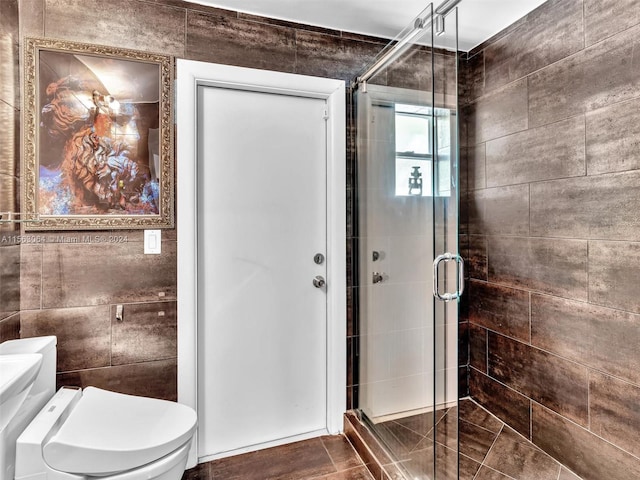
94,433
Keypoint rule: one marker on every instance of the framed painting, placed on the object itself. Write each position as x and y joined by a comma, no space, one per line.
98,138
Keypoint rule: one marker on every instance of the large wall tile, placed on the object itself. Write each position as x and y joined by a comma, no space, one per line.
149,379
9,278
412,70
477,261
333,57
614,411
31,276
8,201
499,211
10,327
445,79
32,25
558,384
9,146
471,78
545,153
9,18
472,165
606,73
84,334
118,23
231,41
578,152
558,267
600,207
476,158
505,403
147,332
95,274
501,309
478,347
604,18
614,275
10,64
613,138
595,336
463,212
587,455
548,34
501,113
463,343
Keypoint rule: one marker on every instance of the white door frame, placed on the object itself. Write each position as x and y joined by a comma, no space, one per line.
191,75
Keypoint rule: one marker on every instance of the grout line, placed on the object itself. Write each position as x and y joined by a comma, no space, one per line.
584,123
531,421
488,452
529,207
329,455
589,399
530,319
588,273
528,102
584,35
486,351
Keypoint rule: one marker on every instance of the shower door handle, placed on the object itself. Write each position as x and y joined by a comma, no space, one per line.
447,257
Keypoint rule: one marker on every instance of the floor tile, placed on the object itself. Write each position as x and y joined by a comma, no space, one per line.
295,461
358,473
512,455
342,454
486,473
489,450
473,413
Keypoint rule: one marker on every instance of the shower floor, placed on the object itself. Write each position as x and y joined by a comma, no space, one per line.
489,449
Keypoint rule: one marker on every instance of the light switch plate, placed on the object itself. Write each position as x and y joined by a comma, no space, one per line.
152,242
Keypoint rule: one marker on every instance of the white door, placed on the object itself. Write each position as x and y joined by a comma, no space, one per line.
262,217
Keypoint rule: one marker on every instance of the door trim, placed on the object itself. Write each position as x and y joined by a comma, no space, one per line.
191,75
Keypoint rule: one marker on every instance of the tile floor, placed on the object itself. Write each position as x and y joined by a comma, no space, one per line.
489,450
324,458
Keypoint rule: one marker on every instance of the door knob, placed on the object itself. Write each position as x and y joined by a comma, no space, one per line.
319,281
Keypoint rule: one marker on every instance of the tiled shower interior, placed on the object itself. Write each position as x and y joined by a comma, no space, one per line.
549,228
550,121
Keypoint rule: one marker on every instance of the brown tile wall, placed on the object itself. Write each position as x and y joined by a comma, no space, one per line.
9,170
551,222
68,286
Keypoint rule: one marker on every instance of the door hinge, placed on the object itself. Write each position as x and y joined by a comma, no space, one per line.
325,114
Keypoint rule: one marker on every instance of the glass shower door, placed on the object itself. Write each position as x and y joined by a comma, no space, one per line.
407,177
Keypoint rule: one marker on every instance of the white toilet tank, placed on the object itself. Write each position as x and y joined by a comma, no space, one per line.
44,387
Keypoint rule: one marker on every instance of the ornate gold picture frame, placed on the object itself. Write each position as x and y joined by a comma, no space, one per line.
98,137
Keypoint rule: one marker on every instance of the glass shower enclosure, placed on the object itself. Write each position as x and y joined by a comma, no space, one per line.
409,274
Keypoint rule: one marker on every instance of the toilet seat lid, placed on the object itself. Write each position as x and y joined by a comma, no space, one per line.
110,432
